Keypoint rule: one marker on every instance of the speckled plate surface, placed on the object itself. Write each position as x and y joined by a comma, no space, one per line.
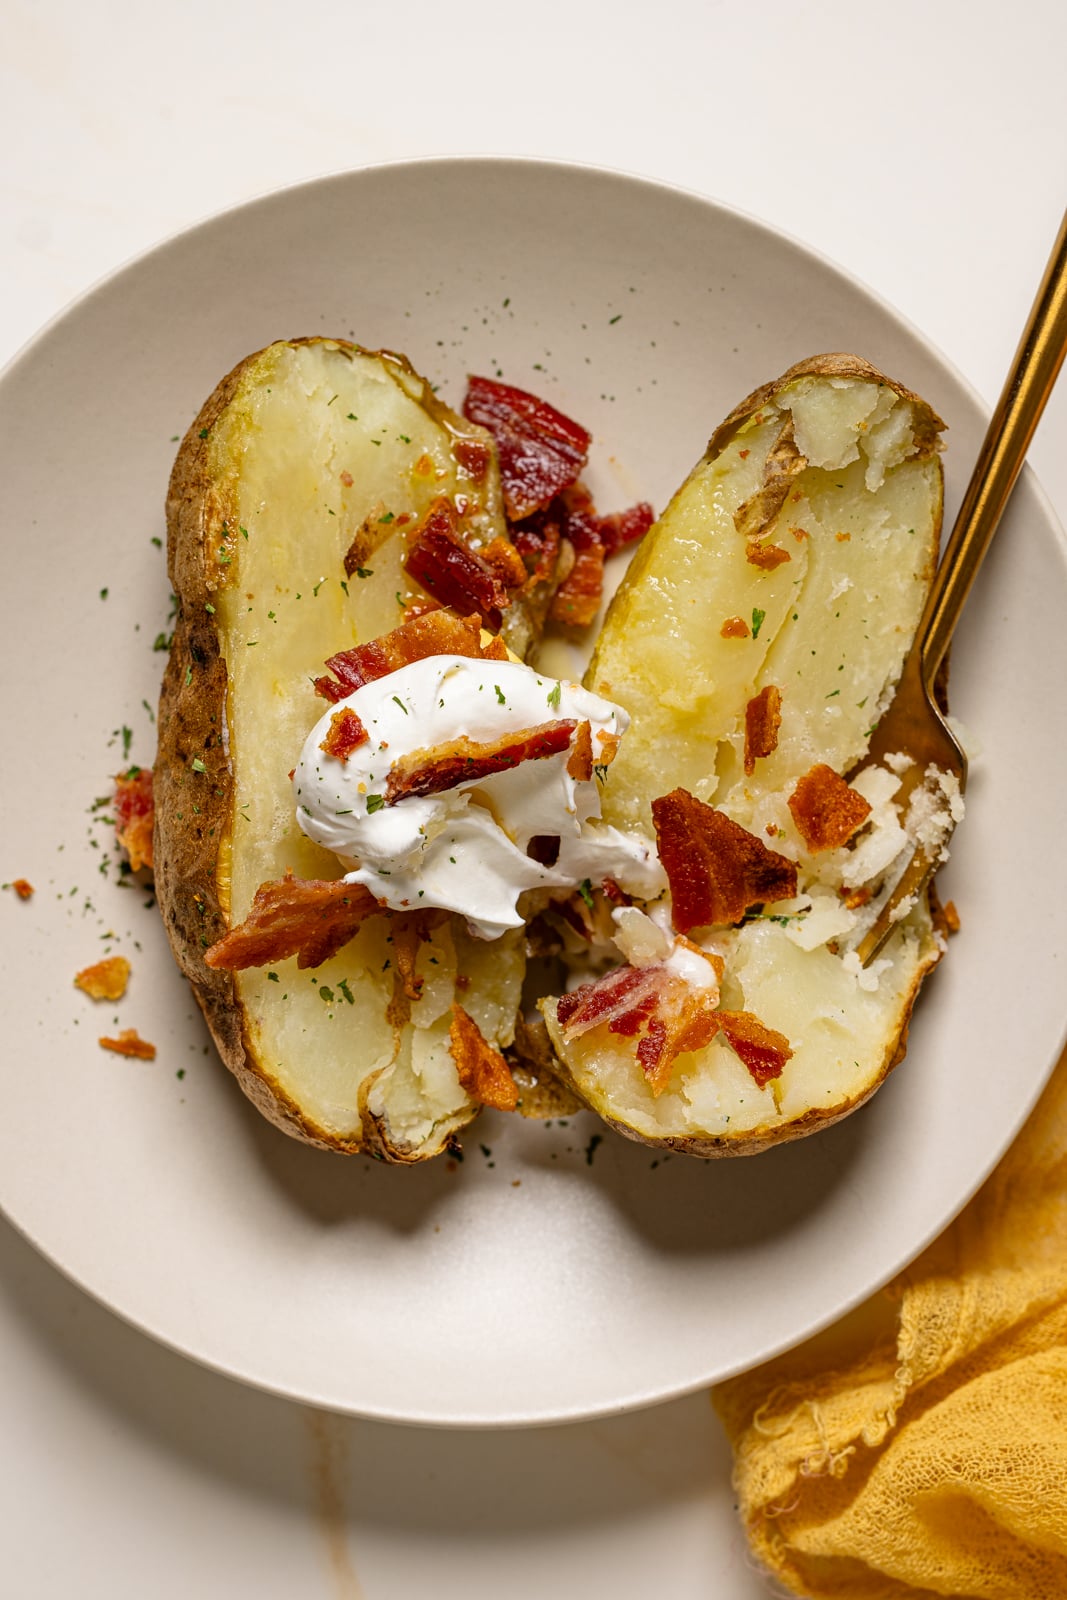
549,1276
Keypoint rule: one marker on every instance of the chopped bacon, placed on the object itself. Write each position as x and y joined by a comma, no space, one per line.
734,628
22,887
130,1043
537,539
105,980
667,1015
716,868
854,898
464,760
454,574
501,557
952,916
577,600
408,931
826,811
620,528
346,479
496,650
580,761
763,718
304,917
765,556
346,734
134,815
473,455
609,747
607,999
420,607
483,1072
541,451
438,633
617,896
763,1051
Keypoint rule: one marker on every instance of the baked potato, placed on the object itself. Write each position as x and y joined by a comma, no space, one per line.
755,641
282,514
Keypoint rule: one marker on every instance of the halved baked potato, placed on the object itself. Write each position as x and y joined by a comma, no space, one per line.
309,452
755,641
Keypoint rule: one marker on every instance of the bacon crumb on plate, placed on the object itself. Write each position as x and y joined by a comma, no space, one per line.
135,815
129,1043
104,980
22,887
826,811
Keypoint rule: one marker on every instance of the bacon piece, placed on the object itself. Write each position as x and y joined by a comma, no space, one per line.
437,633
687,1021
580,761
606,999
496,650
537,539
765,556
501,557
577,600
134,815
609,748
620,528
734,628
22,887
952,916
763,718
104,980
541,452
454,574
483,1072
346,734
308,918
854,898
716,868
473,455
130,1043
408,931
463,760
763,1051
826,811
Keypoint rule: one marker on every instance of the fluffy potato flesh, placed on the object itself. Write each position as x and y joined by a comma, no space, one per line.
797,557
308,447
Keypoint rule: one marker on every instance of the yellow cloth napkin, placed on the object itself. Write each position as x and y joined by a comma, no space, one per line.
920,1449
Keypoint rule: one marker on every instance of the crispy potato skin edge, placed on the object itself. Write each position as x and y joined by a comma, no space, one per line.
191,720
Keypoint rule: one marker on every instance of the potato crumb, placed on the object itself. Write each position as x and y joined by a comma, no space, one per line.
129,1043
105,980
22,887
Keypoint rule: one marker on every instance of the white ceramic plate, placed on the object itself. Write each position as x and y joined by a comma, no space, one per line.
552,1278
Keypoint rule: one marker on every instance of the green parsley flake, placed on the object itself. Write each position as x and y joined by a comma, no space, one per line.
198,765
757,621
401,704
375,802
499,694
555,694
585,889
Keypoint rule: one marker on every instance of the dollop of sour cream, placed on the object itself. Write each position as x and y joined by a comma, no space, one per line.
465,849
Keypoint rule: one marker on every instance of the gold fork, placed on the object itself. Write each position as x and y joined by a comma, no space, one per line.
913,725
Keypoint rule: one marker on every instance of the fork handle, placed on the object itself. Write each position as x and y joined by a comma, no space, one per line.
1029,383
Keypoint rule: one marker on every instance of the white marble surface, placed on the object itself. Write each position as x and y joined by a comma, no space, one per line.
925,149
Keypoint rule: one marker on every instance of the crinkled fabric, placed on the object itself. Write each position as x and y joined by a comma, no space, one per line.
921,1448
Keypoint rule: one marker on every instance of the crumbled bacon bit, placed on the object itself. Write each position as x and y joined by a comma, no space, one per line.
438,633
620,528
744,454
826,811
734,628
130,1043
580,761
716,868
346,479
409,930
606,999
304,917
952,916
763,718
537,539
473,455
615,894
502,558
105,980
464,760
609,747
541,452
765,556
346,734
496,650
455,575
665,1014
483,1072
421,606
134,815
22,887
843,538
763,1051
577,600
853,898
798,533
